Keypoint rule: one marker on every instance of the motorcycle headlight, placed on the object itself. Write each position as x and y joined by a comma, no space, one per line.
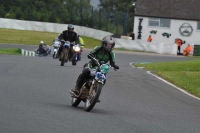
77,49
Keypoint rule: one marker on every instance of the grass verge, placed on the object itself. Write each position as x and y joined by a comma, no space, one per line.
10,51
184,74
26,37
12,36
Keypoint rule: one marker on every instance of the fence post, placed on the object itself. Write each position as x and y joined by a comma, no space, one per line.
91,17
99,18
81,15
116,22
125,24
107,13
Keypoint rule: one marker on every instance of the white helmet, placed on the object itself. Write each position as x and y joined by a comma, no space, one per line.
41,42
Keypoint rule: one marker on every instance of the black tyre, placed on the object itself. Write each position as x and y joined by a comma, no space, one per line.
75,102
74,59
90,102
63,58
54,55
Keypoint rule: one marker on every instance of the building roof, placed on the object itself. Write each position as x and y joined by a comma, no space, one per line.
174,9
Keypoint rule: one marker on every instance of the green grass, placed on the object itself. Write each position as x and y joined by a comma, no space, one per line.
34,37
12,36
10,51
184,74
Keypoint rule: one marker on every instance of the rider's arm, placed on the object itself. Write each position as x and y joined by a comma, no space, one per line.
76,38
112,60
81,42
112,57
94,51
60,37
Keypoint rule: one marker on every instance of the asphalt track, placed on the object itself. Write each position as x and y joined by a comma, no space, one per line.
34,98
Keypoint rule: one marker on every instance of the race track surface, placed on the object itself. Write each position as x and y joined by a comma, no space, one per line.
34,98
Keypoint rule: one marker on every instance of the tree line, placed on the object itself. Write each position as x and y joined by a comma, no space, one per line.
110,15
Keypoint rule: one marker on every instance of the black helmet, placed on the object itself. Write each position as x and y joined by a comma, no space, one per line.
70,27
108,40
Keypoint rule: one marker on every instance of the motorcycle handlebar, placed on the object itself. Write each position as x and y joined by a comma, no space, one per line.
93,58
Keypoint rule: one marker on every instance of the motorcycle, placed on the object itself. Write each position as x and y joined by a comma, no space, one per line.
76,51
64,53
92,87
43,51
55,47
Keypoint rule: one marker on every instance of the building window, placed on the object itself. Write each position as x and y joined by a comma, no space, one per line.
198,25
159,22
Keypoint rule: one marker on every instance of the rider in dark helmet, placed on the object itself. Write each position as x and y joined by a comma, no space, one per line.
101,53
68,35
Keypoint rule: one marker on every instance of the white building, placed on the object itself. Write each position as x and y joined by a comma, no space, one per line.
180,18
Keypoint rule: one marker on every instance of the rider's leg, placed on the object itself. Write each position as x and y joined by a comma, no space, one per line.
80,81
59,50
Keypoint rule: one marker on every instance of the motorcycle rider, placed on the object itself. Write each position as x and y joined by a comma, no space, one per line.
101,53
68,35
41,47
81,42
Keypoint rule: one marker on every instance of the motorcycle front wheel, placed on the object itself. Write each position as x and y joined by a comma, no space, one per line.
54,55
92,99
74,59
62,59
63,56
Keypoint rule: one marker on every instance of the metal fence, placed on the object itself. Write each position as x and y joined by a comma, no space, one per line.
98,18
67,12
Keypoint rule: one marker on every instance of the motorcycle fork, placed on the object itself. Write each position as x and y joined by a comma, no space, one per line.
92,87
66,54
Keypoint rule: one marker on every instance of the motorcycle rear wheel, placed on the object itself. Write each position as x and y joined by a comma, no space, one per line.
92,100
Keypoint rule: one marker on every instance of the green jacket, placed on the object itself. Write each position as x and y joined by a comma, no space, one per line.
102,55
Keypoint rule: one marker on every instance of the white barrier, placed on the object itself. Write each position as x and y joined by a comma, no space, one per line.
161,48
156,47
27,53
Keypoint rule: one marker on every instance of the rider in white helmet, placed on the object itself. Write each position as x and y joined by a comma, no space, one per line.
41,47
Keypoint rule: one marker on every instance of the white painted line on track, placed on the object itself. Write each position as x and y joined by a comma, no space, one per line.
131,64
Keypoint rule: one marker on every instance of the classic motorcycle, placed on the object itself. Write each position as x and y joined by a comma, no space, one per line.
43,51
92,87
64,53
55,47
76,53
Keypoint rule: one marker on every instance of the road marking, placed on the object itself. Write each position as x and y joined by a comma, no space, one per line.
131,64
149,72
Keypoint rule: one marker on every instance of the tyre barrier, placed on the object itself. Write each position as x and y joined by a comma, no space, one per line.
26,52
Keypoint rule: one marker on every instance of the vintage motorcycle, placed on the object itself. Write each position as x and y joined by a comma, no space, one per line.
92,87
55,47
76,53
64,53
44,51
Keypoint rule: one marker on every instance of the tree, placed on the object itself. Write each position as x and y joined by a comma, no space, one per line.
121,6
